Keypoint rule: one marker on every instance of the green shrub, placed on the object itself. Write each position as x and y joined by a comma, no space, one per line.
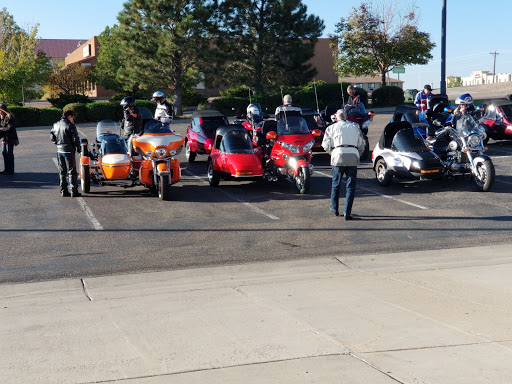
98,111
240,91
148,104
25,116
62,100
192,98
387,96
79,109
48,116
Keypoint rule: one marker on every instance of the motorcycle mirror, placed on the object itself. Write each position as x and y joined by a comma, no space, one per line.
271,136
316,133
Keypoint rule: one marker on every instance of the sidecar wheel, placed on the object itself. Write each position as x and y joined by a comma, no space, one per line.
164,190
484,180
213,176
85,176
383,176
366,150
190,155
303,180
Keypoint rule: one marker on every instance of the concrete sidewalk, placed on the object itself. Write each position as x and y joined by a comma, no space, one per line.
439,317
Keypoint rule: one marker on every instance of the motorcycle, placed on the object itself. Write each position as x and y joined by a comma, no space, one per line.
363,118
287,149
156,165
461,150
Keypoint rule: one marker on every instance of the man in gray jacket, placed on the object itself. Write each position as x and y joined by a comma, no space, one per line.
344,142
65,136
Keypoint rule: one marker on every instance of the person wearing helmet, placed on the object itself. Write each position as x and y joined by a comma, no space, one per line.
132,121
287,108
462,119
422,99
164,110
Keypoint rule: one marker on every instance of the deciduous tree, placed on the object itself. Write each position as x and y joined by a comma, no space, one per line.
373,39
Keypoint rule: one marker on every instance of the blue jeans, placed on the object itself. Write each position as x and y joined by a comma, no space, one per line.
337,174
8,152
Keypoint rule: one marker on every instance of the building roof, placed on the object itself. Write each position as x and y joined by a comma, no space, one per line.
58,48
368,79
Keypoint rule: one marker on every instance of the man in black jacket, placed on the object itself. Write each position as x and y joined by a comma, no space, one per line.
65,136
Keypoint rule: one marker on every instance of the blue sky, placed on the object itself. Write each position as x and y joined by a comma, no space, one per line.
474,29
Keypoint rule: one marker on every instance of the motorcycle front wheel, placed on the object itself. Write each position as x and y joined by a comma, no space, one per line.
164,190
485,175
303,180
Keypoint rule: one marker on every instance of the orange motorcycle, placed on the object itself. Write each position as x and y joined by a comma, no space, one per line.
155,164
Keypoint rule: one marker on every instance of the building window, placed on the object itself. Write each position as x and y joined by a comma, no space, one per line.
394,84
371,86
359,85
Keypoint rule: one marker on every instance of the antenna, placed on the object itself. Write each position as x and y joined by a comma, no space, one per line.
316,97
250,102
284,109
342,94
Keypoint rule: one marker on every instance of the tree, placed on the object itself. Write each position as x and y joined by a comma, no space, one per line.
373,40
21,69
266,43
70,80
161,42
454,81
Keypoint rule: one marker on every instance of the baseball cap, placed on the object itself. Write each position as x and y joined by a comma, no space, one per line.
427,86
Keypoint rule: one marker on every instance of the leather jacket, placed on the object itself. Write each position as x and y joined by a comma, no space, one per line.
132,122
65,136
7,128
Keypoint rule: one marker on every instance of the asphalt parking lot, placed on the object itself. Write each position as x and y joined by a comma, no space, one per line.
114,230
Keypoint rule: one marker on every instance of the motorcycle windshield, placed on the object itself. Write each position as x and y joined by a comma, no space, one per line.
407,140
466,124
236,142
158,128
507,111
106,127
292,125
113,144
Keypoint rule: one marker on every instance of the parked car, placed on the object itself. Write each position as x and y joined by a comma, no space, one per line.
497,120
201,132
233,156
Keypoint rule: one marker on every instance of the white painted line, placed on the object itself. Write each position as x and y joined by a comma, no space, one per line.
254,208
88,213
378,193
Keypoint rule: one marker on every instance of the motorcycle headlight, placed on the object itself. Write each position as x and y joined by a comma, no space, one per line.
161,152
474,140
309,145
292,148
453,145
366,124
172,152
149,153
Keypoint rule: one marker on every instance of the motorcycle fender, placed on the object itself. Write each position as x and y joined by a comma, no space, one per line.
162,169
298,165
145,173
481,159
84,160
175,171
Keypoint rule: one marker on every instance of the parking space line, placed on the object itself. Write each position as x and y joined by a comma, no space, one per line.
88,213
254,208
380,194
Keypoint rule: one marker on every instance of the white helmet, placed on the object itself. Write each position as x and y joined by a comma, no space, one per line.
287,99
158,94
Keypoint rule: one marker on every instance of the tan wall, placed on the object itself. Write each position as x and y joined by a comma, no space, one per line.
324,62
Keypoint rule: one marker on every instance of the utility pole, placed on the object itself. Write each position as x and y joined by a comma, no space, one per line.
494,68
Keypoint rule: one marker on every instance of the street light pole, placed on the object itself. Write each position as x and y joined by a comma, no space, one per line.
443,49
494,68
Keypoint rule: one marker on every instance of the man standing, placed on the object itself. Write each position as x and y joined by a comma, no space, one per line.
65,136
423,98
344,142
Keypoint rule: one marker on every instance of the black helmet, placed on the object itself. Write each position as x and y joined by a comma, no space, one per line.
128,101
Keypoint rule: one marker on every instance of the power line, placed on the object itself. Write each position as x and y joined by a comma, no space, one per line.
494,68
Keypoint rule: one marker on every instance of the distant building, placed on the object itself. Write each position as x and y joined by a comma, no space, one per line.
58,49
485,77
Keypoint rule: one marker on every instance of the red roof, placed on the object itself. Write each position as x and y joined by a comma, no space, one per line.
58,48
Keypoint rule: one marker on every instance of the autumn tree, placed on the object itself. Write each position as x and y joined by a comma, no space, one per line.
454,81
266,43
21,69
162,41
70,80
375,38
